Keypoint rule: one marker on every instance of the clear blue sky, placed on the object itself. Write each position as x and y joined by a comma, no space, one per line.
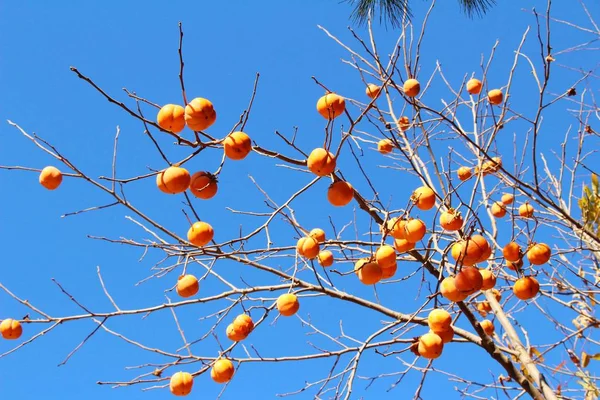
134,45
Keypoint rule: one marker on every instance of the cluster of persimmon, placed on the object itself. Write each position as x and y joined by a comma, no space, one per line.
309,247
181,383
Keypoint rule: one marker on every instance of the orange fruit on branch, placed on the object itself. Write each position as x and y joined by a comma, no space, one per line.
222,371
507,199
340,193
395,227
200,114
404,123
430,346
310,248
451,220
414,230
385,146
173,180
373,90
424,198
468,280
325,258
474,86
181,383
11,329
203,185
50,177
187,285
439,320
288,304
237,146
385,256
539,254
368,272
200,233
488,327
498,209
331,106
495,96
512,252
403,245
411,87
321,162
171,118
526,210
526,288
464,173
489,280
449,290
318,234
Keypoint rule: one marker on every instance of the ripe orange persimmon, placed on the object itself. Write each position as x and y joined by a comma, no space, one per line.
237,145
325,258
464,173
395,227
200,233
340,193
11,329
439,320
288,304
515,265
385,146
404,123
489,280
368,272
488,327
484,307
430,345
321,162
449,290
539,254
385,256
299,245
495,96
222,370
331,106
389,271
526,210
411,87
424,198
472,250
403,245
414,230
474,86
310,248
446,336
240,328
171,118
468,280
373,90
318,234
203,185
50,177
498,209
187,285
451,220
173,180
507,199
200,114
181,383
526,288
512,252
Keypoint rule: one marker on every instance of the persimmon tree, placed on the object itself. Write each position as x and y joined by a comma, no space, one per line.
481,222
